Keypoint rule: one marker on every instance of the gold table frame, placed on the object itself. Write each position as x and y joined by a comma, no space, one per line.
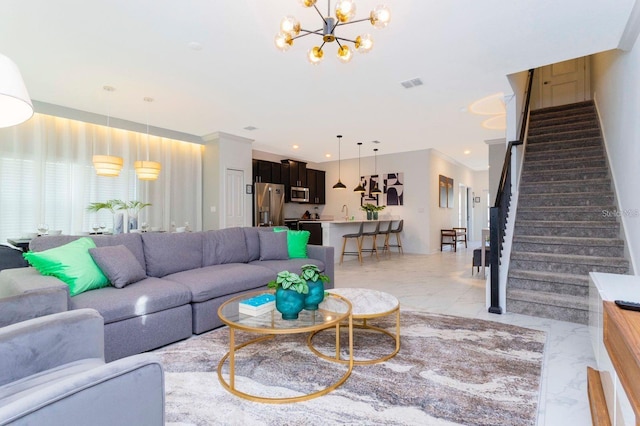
366,326
270,333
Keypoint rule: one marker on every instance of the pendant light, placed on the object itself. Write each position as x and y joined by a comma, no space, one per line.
108,165
147,170
375,189
15,104
359,188
339,185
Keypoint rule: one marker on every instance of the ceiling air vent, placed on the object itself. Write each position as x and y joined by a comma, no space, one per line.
408,84
250,128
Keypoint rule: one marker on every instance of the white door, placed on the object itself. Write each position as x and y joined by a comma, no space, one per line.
565,83
234,199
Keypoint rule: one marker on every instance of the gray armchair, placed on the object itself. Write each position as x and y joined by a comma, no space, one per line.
52,372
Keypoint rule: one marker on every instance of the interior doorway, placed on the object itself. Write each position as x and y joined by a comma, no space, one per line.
234,199
565,83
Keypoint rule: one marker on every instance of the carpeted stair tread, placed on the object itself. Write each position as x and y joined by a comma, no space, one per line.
587,136
574,279
546,298
567,224
556,175
537,123
551,240
566,154
545,165
575,108
569,258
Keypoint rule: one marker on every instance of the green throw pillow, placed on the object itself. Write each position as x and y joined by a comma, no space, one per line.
72,264
296,243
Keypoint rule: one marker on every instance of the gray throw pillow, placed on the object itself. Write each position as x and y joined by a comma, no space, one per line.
119,265
273,246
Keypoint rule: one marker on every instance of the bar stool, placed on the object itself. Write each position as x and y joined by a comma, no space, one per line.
373,234
397,232
359,237
385,232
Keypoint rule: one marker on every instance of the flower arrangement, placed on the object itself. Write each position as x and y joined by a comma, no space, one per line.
368,207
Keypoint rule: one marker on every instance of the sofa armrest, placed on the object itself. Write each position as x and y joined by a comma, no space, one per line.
325,254
129,391
44,343
26,294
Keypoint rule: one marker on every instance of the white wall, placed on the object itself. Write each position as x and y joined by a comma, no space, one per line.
616,84
223,151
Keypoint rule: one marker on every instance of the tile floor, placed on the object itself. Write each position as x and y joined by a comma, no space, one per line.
443,283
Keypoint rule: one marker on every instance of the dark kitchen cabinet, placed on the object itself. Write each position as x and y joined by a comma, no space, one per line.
297,172
316,184
315,229
267,171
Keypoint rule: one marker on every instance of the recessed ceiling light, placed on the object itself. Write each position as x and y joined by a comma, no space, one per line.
328,155
296,147
250,128
467,152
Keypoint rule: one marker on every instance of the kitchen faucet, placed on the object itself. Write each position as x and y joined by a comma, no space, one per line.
344,206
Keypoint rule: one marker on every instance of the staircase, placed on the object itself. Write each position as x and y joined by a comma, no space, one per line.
562,231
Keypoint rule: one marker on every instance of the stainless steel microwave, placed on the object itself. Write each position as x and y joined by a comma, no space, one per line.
299,194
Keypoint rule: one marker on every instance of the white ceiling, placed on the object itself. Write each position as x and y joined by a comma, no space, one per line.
68,50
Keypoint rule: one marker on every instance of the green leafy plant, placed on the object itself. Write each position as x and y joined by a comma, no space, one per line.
368,207
111,205
311,272
289,281
132,207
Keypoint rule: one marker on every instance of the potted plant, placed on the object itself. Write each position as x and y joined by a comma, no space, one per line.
113,206
372,210
133,209
290,293
315,281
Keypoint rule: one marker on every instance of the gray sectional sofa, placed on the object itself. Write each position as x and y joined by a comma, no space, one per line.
189,275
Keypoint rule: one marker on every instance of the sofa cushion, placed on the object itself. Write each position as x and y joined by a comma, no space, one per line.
118,264
252,239
221,280
168,253
72,264
224,246
296,243
273,246
291,265
142,298
132,241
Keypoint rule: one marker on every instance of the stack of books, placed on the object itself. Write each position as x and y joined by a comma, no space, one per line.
258,305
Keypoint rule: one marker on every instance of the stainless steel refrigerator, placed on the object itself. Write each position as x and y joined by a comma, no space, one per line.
268,204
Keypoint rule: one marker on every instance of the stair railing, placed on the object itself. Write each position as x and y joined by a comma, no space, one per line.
498,213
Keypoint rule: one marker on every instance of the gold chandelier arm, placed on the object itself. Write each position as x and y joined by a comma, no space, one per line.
307,32
353,22
344,39
319,13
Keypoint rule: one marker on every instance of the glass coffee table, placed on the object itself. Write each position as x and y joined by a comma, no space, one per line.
331,312
366,305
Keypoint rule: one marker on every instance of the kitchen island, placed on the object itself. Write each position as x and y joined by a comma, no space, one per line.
333,230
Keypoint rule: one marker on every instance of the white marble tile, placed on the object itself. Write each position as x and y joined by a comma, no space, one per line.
443,283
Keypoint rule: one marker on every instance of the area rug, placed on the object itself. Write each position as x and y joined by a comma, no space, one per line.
449,371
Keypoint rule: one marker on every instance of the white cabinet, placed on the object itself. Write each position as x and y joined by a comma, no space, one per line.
610,287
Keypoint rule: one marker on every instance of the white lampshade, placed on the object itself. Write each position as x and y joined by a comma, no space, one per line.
15,104
147,170
107,165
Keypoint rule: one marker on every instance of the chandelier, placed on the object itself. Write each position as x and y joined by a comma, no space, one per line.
345,10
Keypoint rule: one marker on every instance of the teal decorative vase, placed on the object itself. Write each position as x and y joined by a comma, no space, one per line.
369,215
375,215
289,303
315,295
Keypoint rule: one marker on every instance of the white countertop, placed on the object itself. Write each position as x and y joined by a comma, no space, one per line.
617,287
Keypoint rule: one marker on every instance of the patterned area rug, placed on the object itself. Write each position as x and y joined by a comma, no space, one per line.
449,371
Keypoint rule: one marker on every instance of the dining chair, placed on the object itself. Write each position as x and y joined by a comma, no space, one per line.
396,231
373,234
